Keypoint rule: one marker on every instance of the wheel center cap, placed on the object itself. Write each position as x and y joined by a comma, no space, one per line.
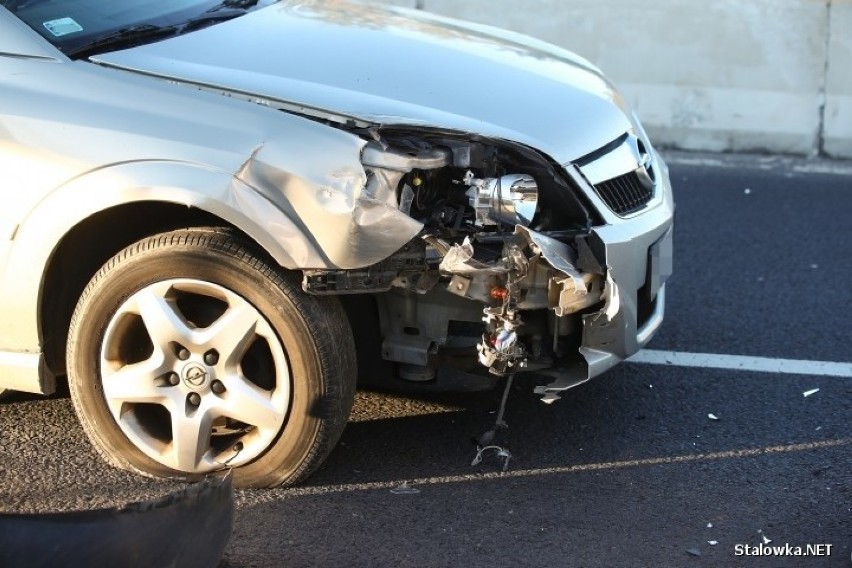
195,376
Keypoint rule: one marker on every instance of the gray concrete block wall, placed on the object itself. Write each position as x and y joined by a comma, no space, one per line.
727,75
837,133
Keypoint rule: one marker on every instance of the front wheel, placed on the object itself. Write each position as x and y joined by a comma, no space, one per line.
189,352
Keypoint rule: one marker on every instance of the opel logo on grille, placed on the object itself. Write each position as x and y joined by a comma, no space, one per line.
644,169
195,375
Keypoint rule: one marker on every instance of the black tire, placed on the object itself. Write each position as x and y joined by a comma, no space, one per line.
313,334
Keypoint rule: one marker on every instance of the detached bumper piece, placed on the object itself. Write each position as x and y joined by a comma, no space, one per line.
185,529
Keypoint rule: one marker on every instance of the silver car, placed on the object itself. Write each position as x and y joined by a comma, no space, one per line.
217,213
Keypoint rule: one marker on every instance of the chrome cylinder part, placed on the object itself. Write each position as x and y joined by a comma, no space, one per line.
511,199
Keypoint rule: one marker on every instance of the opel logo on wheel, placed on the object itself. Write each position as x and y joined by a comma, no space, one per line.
195,375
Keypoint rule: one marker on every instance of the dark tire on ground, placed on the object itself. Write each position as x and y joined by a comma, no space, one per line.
191,351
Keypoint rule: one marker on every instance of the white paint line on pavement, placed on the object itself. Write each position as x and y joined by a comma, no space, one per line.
744,363
766,163
248,498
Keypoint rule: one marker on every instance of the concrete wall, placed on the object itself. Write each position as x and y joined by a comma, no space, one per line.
726,75
837,139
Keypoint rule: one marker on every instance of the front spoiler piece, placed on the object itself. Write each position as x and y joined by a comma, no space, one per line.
188,528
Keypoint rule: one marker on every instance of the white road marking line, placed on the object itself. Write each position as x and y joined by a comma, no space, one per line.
743,363
248,498
790,164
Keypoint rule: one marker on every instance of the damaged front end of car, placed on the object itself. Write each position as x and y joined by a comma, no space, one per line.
516,268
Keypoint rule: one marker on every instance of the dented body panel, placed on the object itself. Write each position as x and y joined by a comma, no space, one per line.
76,139
638,255
387,164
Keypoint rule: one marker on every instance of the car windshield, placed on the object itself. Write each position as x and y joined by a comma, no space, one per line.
83,27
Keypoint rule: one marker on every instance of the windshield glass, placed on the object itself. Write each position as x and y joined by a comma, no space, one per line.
82,27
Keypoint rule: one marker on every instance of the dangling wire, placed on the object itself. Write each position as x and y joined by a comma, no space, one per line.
484,442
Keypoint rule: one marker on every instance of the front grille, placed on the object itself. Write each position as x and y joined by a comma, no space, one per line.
624,194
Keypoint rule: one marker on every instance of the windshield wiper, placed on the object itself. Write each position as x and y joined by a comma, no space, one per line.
235,4
225,10
211,17
125,37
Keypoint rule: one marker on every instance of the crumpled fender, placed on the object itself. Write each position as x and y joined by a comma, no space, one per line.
319,219
350,222
191,185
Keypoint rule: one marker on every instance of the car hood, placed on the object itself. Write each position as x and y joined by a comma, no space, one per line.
390,66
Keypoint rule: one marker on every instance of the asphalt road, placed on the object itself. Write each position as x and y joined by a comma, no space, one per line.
627,470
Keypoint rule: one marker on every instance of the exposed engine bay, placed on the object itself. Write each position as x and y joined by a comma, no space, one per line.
503,229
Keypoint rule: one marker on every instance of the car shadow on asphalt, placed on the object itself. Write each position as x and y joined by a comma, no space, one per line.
633,412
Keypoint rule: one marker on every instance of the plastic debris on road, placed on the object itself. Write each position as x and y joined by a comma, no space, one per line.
502,453
405,489
712,416
810,392
712,542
